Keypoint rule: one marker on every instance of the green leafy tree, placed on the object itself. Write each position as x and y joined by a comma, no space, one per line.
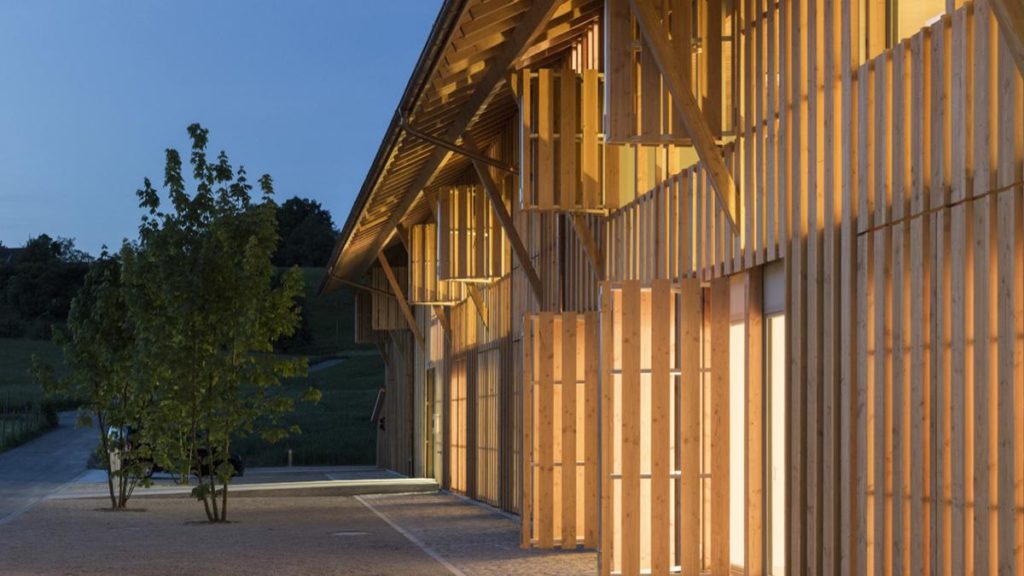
99,348
208,311
307,233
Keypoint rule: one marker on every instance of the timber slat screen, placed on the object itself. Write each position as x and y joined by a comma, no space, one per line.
425,288
870,419
640,108
471,246
561,124
560,407
385,309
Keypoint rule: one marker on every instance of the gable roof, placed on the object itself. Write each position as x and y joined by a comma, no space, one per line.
472,44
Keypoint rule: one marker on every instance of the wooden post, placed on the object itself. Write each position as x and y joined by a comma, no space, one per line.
1010,16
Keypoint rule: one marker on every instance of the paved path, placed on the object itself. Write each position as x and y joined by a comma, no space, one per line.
473,539
417,535
43,466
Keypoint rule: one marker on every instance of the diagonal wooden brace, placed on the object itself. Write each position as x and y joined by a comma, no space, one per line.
402,302
689,111
589,245
506,220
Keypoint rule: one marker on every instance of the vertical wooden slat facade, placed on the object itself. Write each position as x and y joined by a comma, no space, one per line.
882,171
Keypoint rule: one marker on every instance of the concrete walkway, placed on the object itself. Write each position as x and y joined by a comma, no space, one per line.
33,471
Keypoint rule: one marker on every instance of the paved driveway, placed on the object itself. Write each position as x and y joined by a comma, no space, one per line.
35,470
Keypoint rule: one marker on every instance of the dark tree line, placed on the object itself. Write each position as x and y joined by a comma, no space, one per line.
37,284
39,280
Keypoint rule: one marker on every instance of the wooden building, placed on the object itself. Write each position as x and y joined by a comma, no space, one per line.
710,286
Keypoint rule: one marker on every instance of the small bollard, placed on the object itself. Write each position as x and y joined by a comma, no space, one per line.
289,457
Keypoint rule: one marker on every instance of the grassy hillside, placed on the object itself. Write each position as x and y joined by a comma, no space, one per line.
22,414
338,429
16,385
330,319
335,431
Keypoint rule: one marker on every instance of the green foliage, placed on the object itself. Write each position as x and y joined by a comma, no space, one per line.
100,349
36,290
207,311
307,233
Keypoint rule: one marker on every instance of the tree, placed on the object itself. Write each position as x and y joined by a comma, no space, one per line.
99,348
307,233
207,313
37,288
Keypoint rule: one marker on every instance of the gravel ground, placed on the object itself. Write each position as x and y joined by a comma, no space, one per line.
277,536
273,536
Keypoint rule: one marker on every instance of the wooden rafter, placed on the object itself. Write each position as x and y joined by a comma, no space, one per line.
478,302
589,245
518,248
1010,15
686,104
526,31
402,302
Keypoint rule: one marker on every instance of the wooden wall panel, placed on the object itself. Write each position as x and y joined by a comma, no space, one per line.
471,243
424,286
563,172
560,424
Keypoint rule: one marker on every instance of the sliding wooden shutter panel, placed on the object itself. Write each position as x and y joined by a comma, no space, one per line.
425,287
640,110
470,241
650,418
563,145
385,310
560,421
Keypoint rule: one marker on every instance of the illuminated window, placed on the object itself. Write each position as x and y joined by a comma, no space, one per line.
737,420
912,15
775,434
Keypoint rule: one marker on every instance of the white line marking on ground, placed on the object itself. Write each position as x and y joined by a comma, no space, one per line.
430,551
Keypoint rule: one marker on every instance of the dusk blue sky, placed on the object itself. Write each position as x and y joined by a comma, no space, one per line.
92,92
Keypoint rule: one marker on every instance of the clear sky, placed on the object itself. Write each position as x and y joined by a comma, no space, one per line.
92,92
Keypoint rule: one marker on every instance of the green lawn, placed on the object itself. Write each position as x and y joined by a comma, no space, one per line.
21,400
330,319
16,385
338,429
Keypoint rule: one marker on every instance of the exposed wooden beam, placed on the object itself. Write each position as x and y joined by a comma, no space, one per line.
525,32
402,302
1010,15
478,302
364,287
446,324
689,111
589,245
506,222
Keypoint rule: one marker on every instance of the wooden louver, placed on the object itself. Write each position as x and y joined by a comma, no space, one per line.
640,108
425,288
385,310
563,145
470,242
560,423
